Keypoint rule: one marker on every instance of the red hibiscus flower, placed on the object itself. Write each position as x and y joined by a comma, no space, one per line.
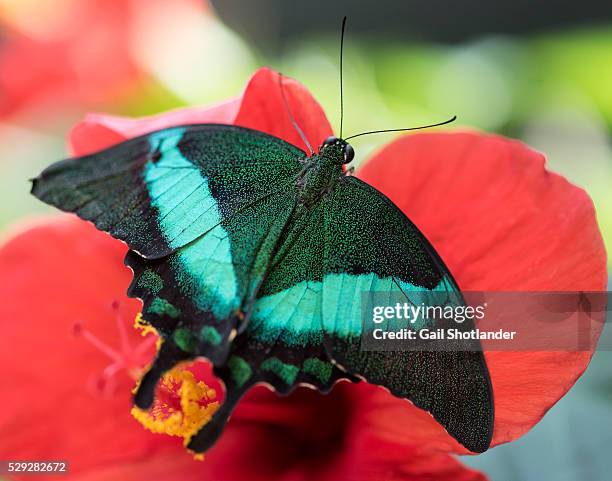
73,52
64,272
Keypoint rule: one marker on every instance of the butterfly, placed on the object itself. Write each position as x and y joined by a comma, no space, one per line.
254,254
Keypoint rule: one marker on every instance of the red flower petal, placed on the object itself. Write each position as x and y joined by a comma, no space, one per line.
331,440
263,108
257,452
99,131
53,276
501,222
260,107
81,59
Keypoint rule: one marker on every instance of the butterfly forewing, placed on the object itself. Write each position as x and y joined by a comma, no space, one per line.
160,191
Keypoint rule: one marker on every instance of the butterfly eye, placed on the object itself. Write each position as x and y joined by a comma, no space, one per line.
330,140
349,153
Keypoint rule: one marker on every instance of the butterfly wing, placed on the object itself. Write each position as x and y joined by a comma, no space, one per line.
160,191
201,207
371,246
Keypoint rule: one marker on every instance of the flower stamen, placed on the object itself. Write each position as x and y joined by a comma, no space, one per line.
125,357
182,405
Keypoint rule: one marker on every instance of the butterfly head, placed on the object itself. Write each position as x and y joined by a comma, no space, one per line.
337,148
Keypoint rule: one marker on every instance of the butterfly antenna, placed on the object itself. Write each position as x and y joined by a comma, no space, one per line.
297,127
402,130
341,90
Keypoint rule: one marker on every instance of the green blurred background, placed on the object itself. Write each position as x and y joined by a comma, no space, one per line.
537,71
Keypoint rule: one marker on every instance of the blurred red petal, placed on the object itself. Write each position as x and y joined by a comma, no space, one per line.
246,451
331,439
414,463
501,222
260,107
83,59
99,131
263,108
88,136
54,275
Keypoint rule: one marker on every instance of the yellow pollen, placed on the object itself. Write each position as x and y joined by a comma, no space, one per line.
145,328
197,405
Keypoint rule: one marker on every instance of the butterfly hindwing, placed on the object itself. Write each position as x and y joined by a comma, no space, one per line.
370,246
196,295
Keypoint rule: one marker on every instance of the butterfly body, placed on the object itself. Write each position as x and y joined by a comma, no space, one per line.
321,173
254,255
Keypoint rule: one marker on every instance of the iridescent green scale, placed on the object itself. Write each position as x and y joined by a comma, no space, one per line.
252,254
